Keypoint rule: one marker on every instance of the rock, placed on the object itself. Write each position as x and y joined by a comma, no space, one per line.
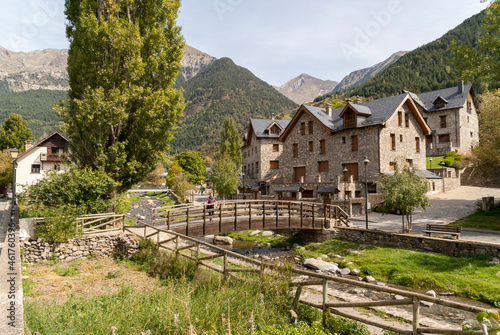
380,283
426,304
295,245
369,279
324,256
355,272
317,264
398,297
141,217
345,271
255,232
498,273
495,261
267,233
225,240
431,293
207,238
268,244
287,248
357,291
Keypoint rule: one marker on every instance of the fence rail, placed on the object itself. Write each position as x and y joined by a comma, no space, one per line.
95,223
164,236
199,219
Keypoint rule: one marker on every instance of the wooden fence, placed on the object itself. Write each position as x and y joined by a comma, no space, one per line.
95,223
183,244
199,220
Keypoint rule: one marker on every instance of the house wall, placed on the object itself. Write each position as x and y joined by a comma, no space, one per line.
405,149
468,127
262,154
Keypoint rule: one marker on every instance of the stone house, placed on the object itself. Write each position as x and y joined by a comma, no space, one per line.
261,150
48,154
452,114
325,148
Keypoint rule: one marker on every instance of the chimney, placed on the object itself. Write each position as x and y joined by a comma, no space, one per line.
460,86
329,109
272,116
28,145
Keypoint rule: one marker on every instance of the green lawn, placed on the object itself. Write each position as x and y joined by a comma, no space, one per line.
435,162
481,220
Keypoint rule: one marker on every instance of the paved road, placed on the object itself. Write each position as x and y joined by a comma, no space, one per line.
446,207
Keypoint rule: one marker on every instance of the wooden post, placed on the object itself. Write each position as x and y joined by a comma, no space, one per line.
176,246
187,221
325,288
204,218
277,213
168,220
145,227
235,215
297,297
301,217
416,315
220,218
158,237
312,214
264,214
289,214
249,215
197,254
225,265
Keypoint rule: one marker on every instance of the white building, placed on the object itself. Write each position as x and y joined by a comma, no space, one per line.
48,154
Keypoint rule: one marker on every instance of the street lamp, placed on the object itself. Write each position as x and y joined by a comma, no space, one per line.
14,153
366,161
244,195
442,172
345,187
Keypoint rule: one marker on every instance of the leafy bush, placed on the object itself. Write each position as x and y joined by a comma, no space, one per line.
59,224
88,190
308,313
342,326
300,329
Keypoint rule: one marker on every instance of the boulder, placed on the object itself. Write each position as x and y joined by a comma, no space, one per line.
223,240
369,279
498,273
255,232
317,264
398,297
495,261
207,239
267,233
430,293
345,271
295,245
355,272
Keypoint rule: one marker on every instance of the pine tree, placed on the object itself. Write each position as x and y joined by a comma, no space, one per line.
122,107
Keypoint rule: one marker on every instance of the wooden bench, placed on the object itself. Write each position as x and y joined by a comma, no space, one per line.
442,229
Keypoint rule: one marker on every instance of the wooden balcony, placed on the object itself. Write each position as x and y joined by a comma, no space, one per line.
44,157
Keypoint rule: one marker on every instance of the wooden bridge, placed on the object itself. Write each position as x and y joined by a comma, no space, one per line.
196,220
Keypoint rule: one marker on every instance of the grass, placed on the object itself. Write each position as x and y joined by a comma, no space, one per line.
276,240
435,162
472,277
481,219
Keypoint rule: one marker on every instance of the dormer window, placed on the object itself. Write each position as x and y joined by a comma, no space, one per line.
350,119
274,129
440,102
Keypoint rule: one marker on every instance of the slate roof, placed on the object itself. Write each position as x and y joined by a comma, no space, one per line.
421,173
451,95
327,190
380,111
288,189
260,125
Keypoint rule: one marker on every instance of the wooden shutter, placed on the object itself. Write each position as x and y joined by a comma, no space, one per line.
322,144
352,170
299,172
311,127
354,142
295,150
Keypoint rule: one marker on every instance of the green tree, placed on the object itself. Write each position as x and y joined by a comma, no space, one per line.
14,133
5,168
173,170
404,190
482,63
231,142
182,186
225,176
487,155
193,164
122,107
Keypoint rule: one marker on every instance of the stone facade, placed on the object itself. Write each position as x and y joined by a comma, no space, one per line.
38,251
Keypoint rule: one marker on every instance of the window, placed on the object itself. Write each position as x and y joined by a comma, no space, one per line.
257,167
343,139
409,162
276,147
295,150
352,170
471,134
311,146
322,145
425,119
354,140
468,120
400,119
299,174
275,130
35,168
311,127
323,166
393,142
274,164
417,144
445,138
357,194
303,128
57,167
400,137
392,166
469,107
350,119
442,122
407,120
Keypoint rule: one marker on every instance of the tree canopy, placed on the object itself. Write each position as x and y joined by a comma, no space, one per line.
14,133
193,165
225,176
231,142
122,107
404,190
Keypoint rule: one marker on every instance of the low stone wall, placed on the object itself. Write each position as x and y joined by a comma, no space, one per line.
406,241
38,251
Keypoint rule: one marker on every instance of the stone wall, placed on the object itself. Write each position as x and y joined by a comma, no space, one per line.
448,247
38,251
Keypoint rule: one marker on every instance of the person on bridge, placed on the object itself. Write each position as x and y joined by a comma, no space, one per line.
211,204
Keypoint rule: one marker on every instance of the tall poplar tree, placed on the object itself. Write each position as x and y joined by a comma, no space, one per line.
122,107
231,142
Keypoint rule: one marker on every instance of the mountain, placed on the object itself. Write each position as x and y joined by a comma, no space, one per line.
193,61
224,89
305,88
427,68
359,77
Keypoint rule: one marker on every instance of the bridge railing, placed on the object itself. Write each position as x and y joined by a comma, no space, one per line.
257,214
94,223
190,248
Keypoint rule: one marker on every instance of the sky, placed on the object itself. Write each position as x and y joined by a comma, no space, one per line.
275,39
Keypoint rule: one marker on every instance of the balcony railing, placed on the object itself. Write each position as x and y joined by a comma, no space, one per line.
44,157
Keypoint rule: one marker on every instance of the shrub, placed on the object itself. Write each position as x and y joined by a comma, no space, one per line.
342,326
300,329
59,224
308,313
